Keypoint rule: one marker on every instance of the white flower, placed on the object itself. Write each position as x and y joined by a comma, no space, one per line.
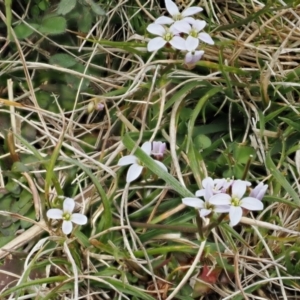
173,10
193,55
259,191
205,207
217,186
165,35
158,149
236,201
193,30
137,167
67,216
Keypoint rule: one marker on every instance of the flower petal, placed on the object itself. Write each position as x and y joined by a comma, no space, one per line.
54,213
208,193
191,43
222,208
204,212
207,181
235,215
156,29
79,219
198,25
67,227
146,147
200,193
164,20
197,56
127,160
68,205
238,189
181,26
171,7
189,58
156,44
134,172
259,191
193,202
205,37
178,43
191,11
161,165
252,203
189,20
220,199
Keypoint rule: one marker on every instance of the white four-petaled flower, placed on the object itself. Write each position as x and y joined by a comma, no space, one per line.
165,35
204,207
173,10
137,166
236,202
66,214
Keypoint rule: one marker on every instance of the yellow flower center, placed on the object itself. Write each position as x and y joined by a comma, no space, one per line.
66,216
168,36
235,201
194,33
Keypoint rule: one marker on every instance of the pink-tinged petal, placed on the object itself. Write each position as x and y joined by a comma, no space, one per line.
181,26
68,205
193,202
55,213
156,44
238,189
235,215
67,227
199,25
171,7
205,37
164,20
251,203
79,219
146,147
178,43
200,193
259,191
220,199
222,208
207,181
161,165
127,160
134,172
204,212
191,43
197,56
156,29
191,11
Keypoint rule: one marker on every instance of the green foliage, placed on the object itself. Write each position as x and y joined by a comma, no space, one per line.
65,6
53,25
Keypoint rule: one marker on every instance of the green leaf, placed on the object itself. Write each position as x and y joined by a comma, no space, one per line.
23,31
53,25
65,6
281,179
19,167
198,108
97,9
202,141
63,60
242,153
85,20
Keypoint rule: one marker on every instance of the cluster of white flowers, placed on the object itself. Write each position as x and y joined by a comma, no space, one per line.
171,29
227,196
157,149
